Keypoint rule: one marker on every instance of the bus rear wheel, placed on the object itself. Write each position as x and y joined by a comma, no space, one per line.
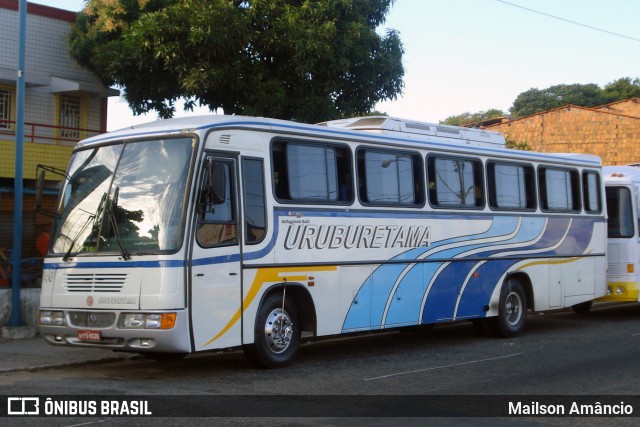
277,333
512,313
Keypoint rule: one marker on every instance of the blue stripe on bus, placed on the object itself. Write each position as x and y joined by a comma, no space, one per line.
114,264
388,275
441,301
443,295
479,289
404,306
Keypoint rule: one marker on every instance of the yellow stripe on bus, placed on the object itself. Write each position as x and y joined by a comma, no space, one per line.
266,275
555,262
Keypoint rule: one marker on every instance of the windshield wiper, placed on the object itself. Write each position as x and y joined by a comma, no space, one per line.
91,219
114,224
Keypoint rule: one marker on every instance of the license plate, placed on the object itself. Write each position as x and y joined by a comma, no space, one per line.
89,335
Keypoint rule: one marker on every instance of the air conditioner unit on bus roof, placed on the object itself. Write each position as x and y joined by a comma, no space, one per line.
390,125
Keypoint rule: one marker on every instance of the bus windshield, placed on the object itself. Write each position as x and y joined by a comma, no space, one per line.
124,198
620,212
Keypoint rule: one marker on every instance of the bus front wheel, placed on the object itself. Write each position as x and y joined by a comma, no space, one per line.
277,333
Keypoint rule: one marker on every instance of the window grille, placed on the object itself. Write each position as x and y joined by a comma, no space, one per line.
70,117
5,109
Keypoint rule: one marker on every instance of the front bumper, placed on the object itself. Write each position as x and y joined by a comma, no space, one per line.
174,340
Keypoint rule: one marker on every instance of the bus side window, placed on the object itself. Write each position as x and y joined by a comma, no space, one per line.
345,183
559,189
390,177
591,192
311,172
511,186
217,223
455,182
254,200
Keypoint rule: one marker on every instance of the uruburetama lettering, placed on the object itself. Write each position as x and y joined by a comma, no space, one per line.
117,300
310,236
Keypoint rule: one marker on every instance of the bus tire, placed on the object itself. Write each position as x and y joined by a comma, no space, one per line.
512,312
277,333
582,308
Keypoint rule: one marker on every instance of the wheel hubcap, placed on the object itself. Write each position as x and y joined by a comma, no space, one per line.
278,330
513,308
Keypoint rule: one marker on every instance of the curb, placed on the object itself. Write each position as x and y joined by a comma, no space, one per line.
18,332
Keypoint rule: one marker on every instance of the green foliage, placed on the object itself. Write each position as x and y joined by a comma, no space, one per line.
468,118
536,100
621,89
294,59
588,95
510,143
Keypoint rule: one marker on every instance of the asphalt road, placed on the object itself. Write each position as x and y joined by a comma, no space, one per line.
560,353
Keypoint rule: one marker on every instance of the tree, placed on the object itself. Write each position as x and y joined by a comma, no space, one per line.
621,89
513,144
536,100
468,118
294,59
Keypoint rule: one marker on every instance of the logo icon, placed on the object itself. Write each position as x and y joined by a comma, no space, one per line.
23,406
89,301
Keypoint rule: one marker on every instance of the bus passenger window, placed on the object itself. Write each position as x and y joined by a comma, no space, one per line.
455,182
559,189
511,186
390,178
311,172
591,191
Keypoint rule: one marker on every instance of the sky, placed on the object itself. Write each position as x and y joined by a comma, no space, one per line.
474,55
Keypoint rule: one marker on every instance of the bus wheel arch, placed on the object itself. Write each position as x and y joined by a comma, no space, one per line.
527,286
285,310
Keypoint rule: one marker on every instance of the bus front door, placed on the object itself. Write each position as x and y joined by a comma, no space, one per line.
215,295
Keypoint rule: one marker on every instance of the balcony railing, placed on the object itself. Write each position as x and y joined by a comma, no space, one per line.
47,134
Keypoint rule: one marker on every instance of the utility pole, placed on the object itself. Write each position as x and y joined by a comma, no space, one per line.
15,320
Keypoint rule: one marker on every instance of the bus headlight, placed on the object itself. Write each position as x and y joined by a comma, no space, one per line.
132,321
52,318
619,290
147,320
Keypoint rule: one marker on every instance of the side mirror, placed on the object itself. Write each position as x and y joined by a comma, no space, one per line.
217,182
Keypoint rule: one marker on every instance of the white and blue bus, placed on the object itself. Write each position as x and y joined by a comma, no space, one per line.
195,234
